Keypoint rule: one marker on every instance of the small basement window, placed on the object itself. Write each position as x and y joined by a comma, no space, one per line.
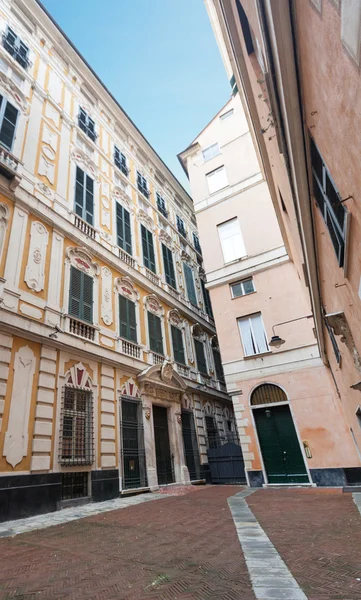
74,485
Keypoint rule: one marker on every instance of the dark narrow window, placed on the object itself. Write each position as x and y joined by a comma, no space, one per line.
124,234
87,124
169,267
8,119
84,196
178,348
181,227
196,243
201,359
155,333
148,249
191,290
245,28
329,202
218,365
16,47
212,432
207,299
76,434
127,322
161,206
120,161
142,185
81,295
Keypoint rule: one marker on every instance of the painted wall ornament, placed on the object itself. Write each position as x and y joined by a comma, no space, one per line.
84,161
4,220
145,219
152,304
14,91
107,307
175,318
82,260
35,268
125,287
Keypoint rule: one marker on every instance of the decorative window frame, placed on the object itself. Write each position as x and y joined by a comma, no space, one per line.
124,286
175,319
152,304
83,261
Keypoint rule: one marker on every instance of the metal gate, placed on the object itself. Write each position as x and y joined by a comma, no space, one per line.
132,439
225,460
162,449
190,445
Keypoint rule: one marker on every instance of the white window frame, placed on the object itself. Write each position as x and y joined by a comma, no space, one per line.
211,151
211,174
256,344
236,237
242,287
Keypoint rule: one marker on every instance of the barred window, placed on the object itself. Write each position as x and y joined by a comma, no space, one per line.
76,427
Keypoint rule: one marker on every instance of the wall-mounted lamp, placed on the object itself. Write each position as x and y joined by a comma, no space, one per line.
276,341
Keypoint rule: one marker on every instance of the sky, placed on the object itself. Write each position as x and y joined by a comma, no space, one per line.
160,60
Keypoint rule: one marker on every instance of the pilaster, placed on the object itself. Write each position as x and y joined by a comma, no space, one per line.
6,342
44,412
107,418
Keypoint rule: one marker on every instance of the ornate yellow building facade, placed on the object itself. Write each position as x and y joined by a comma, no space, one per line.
110,373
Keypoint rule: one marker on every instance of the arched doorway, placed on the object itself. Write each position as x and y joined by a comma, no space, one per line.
282,456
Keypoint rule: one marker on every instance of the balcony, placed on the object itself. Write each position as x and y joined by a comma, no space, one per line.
182,370
121,164
84,227
161,207
157,359
125,257
81,329
172,291
152,276
143,190
129,348
9,165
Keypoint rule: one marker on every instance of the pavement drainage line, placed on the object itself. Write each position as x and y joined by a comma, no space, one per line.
66,515
270,577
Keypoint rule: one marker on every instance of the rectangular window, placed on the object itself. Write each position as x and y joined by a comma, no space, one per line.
242,288
197,245
142,185
178,347
231,239
253,335
217,180
207,299
120,161
218,365
124,233
148,249
76,439
181,227
8,119
155,333
161,206
211,152
227,114
16,47
81,295
329,202
201,358
127,322
84,196
191,290
169,267
87,124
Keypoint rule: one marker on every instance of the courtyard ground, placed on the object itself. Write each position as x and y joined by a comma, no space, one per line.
194,544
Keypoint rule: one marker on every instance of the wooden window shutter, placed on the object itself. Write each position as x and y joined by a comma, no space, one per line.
124,234
132,322
89,200
178,348
127,321
8,126
87,298
75,292
169,267
148,249
191,291
79,192
201,359
155,333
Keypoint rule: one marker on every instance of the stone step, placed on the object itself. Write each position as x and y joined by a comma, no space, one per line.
351,488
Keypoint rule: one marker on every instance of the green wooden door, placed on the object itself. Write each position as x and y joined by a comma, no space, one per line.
281,452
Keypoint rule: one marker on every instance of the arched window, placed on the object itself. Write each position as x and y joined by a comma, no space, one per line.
267,393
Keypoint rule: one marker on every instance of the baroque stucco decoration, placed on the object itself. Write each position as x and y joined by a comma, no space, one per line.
125,287
78,377
107,305
175,318
145,219
4,221
35,268
16,437
14,91
119,195
152,304
165,237
130,388
82,260
163,382
84,161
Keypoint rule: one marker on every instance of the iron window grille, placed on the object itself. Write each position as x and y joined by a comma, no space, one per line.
329,201
87,124
142,185
76,439
16,47
161,206
74,485
120,161
180,226
216,438
197,244
132,444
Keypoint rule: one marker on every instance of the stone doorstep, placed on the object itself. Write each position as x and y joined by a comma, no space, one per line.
351,488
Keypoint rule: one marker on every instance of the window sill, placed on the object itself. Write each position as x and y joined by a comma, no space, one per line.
250,356
243,295
236,260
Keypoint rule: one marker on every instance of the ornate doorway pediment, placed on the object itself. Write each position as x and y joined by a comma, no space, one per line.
163,382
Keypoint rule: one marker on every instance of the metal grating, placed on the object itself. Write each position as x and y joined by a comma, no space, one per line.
132,448
76,440
267,393
74,485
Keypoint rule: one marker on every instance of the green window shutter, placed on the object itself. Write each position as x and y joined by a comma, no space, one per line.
191,290
75,292
8,126
89,200
87,298
124,236
178,348
201,359
79,192
155,333
127,321
148,249
207,299
169,267
218,366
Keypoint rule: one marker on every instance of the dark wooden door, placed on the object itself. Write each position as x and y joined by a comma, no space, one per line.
281,452
190,445
134,467
162,448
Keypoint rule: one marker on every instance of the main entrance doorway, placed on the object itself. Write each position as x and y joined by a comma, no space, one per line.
280,447
162,448
190,445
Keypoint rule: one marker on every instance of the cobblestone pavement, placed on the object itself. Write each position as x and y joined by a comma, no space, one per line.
317,532
182,547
